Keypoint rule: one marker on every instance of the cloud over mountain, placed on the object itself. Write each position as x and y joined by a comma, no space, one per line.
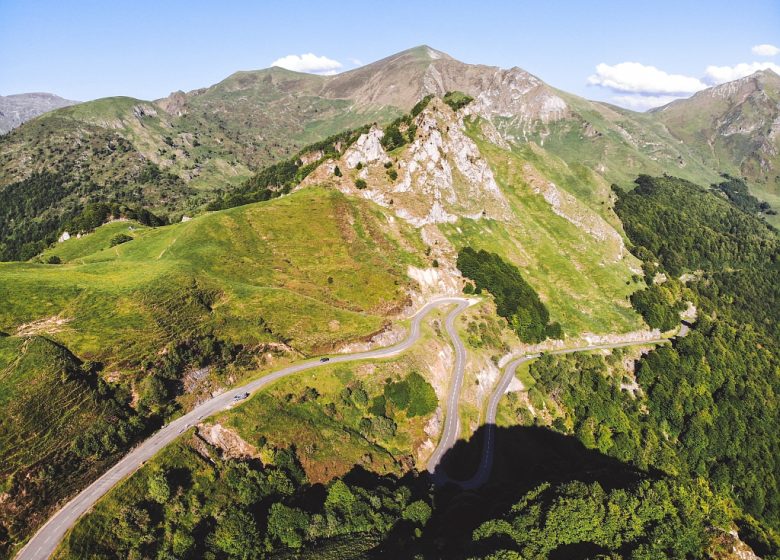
720,74
634,77
308,62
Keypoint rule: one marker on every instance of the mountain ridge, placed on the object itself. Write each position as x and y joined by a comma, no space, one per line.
212,139
18,108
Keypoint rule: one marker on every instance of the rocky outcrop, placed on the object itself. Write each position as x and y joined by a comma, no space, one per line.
175,104
521,97
367,149
227,441
443,176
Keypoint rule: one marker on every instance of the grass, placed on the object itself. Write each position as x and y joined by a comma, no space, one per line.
45,403
577,276
77,248
32,428
326,430
312,269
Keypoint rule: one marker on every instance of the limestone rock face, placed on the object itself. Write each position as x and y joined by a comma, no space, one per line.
367,149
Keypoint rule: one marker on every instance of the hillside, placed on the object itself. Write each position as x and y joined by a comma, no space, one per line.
174,154
175,313
735,127
459,188
219,235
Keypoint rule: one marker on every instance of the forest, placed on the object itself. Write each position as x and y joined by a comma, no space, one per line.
516,300
715,392
36,210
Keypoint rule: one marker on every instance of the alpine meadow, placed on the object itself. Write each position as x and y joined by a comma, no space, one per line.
416,308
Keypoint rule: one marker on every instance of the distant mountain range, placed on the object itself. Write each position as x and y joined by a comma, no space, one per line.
172,155
20,108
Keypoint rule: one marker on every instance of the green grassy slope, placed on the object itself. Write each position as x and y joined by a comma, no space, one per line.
619,144
311,270
46,401
33,429
578,276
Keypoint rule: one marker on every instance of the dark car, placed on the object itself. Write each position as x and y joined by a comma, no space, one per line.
324,359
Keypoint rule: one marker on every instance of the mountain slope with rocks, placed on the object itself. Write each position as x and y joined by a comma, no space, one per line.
21,107
736,129
175,154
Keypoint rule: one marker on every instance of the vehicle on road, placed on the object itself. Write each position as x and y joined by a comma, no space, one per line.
240,396
323,360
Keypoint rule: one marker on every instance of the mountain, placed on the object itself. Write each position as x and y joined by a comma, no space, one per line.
21,107
172,155
337,206
735,128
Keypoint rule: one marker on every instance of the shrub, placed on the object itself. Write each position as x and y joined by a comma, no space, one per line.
414,395
120,238
54,259
360,184
457,99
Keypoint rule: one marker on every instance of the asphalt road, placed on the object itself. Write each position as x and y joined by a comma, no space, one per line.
482,475
451,430
45,541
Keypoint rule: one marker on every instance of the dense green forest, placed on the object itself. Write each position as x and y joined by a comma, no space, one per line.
736,191
714,393
34,212
516,300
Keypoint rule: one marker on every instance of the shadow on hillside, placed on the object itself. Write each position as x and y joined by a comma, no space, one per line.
524,458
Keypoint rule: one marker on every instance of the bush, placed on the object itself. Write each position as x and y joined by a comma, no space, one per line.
120,238
54,259
457,99
360,184
414,395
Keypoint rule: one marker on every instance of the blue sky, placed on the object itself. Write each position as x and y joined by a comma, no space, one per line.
88,49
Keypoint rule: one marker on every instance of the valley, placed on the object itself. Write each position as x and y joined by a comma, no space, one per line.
421,308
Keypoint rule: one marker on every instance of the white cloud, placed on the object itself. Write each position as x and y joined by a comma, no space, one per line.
644,102
356,61
633,77
308,62
765,50
719,74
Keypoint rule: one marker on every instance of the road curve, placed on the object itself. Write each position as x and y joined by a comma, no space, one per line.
45,541
450,433
482,474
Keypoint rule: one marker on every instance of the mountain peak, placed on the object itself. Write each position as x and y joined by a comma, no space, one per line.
425,52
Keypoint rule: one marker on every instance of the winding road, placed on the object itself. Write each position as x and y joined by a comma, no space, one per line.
451,429
482,475
48,537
